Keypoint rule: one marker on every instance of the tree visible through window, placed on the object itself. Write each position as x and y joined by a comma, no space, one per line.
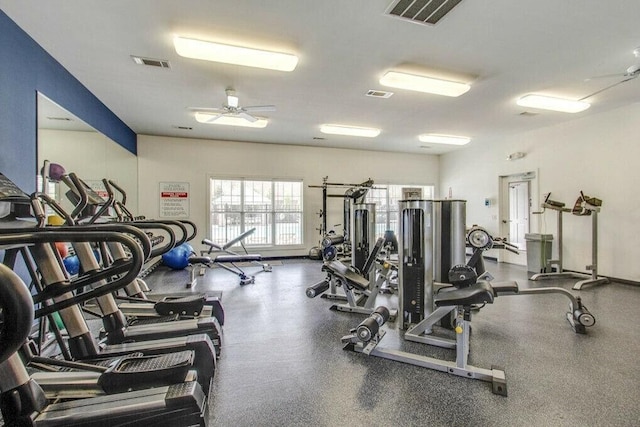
272,207
386,198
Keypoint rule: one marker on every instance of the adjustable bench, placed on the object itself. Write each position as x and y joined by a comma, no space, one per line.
228,259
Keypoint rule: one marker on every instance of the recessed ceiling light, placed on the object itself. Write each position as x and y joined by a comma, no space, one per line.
217,119
424,84
444,139
553,104
350,130
237,55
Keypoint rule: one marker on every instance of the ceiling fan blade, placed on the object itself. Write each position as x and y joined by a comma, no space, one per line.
207,109
605,76
609,87
207,117
260,108
247,117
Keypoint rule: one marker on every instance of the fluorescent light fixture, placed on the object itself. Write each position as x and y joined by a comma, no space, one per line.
217,119
217,52
554,104
444,139
350,130
424,84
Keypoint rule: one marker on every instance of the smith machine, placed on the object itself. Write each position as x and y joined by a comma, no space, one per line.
330,241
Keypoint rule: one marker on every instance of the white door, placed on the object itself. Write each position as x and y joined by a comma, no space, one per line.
519,202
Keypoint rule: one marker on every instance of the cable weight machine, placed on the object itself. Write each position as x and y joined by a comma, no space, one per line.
330,241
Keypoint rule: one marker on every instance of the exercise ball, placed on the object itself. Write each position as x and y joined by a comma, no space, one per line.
187,247
72,264
62,249
177,258
56,171
55,220
58,320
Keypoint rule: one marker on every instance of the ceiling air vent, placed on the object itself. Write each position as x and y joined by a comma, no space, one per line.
62,119
379,93
160,63
422,11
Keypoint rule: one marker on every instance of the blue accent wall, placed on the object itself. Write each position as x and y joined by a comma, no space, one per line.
25,69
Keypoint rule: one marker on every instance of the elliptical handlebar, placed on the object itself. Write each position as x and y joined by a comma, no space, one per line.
131,267
73,182
193,226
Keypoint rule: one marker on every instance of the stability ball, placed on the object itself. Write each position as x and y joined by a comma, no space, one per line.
72,264
177,258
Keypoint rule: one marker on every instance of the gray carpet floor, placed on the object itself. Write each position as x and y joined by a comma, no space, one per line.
282,360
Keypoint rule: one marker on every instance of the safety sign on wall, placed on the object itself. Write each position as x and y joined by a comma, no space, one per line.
174,199
97,186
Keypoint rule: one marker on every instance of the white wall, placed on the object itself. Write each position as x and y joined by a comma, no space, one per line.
162,159
597,154
92,156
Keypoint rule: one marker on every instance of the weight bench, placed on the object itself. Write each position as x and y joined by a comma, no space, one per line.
228,259
223,260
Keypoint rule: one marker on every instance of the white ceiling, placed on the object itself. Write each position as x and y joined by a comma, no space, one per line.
512,47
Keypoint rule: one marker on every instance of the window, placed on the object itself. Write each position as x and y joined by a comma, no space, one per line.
272,207
386,198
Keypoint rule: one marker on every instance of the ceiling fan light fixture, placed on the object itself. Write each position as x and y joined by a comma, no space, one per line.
237,55
424,84
232,101
219,119
435,138
551,103
349,130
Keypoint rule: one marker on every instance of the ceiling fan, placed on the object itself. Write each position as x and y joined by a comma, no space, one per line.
631,73
232,108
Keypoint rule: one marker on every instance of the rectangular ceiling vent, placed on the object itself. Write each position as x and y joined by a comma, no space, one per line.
160,63
422,11
60,119
379,93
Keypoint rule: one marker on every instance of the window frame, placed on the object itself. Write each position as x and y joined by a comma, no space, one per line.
393,207
273,211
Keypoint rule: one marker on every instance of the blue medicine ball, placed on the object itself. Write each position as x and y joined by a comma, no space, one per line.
72,264
177,258
187,247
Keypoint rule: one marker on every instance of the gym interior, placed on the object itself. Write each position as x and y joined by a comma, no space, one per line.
401,278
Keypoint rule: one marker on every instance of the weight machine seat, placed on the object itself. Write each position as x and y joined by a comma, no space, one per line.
352,278
193,260
480,292
238,258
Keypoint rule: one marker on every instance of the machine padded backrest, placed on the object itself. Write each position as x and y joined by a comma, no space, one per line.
371,259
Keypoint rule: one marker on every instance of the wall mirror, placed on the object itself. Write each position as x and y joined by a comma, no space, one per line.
65,139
